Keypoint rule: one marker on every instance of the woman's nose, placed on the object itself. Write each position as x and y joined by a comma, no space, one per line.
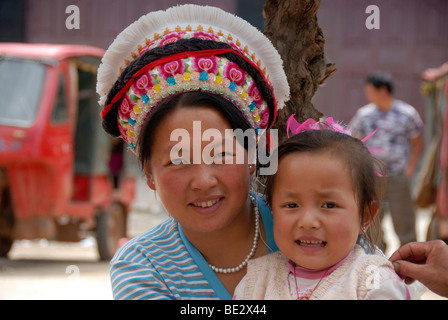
203,177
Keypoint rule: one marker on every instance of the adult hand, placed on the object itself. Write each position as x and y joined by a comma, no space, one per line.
426,262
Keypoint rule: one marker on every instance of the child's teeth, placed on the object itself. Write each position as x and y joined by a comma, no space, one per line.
312,242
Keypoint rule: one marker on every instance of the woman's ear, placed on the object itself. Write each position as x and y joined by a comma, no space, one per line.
149,178
252,168
370,213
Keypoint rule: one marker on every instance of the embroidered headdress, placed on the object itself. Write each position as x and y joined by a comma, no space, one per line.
240,64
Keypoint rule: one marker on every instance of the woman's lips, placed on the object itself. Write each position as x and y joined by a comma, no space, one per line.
206,205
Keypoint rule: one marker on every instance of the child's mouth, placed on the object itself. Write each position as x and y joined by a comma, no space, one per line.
311,243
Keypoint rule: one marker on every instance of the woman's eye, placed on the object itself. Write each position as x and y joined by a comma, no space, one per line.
329,205
224,154
290,205
223,158
178,161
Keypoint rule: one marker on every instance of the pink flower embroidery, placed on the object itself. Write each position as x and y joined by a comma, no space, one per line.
143,83
204,35
208,64
170,38
255,94
125,107
264,115
146,48
235,73
170,69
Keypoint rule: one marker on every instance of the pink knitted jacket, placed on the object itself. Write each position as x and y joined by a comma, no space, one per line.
267,278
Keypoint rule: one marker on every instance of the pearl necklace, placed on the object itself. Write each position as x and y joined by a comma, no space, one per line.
252,251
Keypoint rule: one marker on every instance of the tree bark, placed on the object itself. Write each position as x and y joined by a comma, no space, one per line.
292,27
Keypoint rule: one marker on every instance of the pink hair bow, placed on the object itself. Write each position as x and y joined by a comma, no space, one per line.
311,124
329,124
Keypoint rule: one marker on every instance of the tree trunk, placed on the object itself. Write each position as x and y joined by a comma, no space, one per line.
292,27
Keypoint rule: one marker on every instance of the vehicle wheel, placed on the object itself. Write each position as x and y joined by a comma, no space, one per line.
110,229
5,246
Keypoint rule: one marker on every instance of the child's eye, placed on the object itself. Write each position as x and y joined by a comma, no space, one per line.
290,205
329,205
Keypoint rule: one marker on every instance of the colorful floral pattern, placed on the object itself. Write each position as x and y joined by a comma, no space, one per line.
207,73
255,94
125,107
234,73
170,69
209,64
143,83
264,115
170,36
205,35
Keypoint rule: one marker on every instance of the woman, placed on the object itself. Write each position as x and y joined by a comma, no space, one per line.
172,85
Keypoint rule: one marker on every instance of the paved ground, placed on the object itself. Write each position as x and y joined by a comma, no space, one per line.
55,270
59,271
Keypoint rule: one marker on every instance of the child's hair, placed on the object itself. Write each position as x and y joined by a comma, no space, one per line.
364,169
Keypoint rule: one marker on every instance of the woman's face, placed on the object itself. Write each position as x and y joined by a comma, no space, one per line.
201,197
316,217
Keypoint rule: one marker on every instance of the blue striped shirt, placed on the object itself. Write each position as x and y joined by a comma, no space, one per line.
162,264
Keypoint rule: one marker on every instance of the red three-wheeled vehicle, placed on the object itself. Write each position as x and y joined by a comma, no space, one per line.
61,176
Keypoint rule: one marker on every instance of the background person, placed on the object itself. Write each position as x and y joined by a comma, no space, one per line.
399,133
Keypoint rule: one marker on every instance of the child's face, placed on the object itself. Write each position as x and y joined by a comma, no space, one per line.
316,218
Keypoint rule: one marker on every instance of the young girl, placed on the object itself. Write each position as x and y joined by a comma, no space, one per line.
323,198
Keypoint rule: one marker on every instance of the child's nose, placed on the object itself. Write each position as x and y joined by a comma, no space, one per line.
308,219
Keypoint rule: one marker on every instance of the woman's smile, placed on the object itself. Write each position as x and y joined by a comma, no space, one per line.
206,206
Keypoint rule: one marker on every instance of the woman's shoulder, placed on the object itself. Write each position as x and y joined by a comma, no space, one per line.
163,238
156,265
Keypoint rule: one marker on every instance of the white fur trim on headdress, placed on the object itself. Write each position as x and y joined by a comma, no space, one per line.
150,26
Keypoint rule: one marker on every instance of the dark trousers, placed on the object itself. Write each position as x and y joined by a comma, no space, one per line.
402,207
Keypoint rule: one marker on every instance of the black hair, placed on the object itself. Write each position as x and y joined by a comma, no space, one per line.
379,80
183,45
367,185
